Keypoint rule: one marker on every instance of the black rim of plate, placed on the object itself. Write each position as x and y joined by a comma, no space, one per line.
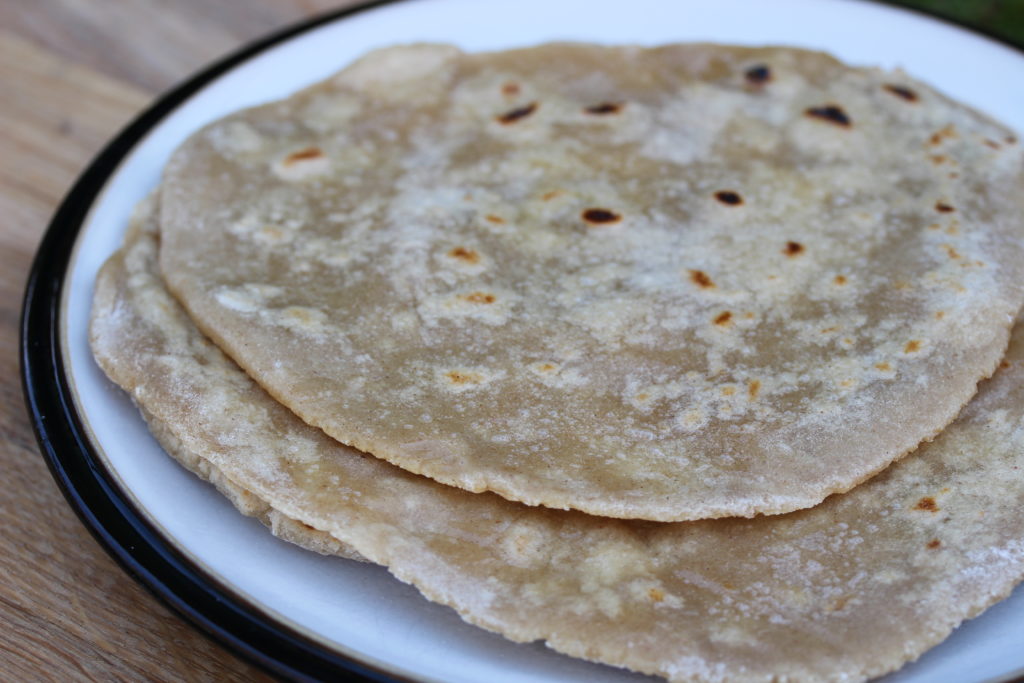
114,521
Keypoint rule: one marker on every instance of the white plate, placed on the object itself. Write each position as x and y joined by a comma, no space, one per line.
359,610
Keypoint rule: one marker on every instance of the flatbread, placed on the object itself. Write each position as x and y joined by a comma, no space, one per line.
245,501
852,588
676,283
124,291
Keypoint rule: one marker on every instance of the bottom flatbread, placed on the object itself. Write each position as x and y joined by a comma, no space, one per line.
850,589
248,503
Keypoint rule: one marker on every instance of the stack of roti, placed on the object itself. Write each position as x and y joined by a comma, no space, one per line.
658,355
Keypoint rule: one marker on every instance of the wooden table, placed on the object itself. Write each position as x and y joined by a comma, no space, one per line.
72,72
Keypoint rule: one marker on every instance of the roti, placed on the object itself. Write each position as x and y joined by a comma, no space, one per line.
850,589
248,503
676,283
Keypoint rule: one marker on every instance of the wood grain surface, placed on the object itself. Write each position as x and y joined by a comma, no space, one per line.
72,72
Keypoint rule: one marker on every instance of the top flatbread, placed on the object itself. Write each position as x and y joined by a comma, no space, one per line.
673,283
849,589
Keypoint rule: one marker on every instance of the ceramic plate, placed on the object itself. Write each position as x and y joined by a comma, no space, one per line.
306,616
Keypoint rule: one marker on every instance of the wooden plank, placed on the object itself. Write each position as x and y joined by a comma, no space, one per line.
151,44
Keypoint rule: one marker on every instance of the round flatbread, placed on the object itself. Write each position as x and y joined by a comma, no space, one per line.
676,283
850,589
